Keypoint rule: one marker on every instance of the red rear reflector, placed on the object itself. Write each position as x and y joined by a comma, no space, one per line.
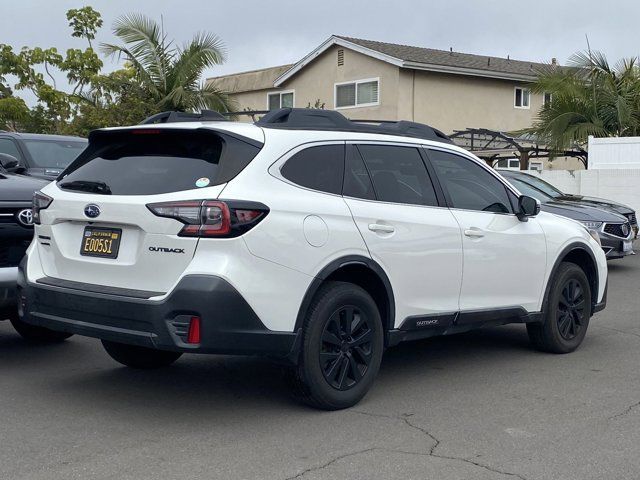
194,330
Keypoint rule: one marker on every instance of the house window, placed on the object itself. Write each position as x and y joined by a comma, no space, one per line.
360,93
521,99
546,98
508,163
280,100
536,165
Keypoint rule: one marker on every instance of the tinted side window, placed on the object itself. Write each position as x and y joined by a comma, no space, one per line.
319,168
9,147
468,185
398,174
357,183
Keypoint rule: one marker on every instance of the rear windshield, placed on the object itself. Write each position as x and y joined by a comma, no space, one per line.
148,162
54,153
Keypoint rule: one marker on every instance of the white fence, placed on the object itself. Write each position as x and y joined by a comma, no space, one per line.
614,152
620,185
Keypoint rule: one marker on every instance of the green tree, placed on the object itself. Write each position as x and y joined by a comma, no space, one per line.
33,69
171,74
589,97
114,99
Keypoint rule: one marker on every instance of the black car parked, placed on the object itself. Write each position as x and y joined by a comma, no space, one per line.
37,155
16,232
615,223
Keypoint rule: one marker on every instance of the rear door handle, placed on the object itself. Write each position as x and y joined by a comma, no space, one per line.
474,232
379,228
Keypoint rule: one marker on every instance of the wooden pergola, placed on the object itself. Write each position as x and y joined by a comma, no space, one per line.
492,145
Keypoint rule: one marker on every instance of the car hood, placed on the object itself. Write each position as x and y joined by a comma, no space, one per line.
582,212
19,188
598,202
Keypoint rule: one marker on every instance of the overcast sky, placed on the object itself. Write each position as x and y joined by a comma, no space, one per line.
259,33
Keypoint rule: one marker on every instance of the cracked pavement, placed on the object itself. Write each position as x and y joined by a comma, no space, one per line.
481,405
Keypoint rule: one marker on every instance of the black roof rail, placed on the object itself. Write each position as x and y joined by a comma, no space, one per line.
172,117
330,120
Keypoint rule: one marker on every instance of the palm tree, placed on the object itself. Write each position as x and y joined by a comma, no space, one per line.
171,74
587,98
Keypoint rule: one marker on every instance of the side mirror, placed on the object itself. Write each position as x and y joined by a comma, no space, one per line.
8,162
528,206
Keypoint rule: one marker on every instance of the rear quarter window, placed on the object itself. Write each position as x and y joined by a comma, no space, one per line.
149,162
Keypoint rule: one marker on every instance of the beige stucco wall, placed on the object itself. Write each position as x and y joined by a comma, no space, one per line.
457,102
316,82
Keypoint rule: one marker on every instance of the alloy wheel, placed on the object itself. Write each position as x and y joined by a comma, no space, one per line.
571,308
346,350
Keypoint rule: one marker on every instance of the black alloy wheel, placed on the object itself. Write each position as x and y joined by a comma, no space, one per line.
566,311
346,350
571,308
342,347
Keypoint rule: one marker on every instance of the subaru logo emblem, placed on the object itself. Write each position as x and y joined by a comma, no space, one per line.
25,217
92,211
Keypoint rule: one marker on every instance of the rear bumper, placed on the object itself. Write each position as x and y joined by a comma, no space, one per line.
8,278
228,324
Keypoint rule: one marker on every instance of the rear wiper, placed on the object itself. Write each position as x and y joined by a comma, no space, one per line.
86,186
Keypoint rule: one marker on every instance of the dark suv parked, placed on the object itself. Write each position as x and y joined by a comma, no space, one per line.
615,223
16,232
36,155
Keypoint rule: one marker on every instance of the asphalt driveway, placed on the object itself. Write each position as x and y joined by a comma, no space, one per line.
481,405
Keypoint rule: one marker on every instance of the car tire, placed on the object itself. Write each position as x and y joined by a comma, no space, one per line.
342,347
36,334
566,313
139,357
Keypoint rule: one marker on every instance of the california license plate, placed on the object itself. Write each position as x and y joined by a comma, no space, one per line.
101,242
627,246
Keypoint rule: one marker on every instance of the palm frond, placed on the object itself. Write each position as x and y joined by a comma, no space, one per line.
146,45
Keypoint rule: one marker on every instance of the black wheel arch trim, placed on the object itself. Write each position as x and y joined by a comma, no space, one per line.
561,258
336,265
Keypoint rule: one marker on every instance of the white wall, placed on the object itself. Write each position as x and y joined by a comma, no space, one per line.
615,152
620,185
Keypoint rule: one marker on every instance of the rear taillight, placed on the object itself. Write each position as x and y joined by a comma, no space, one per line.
212,218
40,202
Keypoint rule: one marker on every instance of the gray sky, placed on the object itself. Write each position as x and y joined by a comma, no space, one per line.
261,33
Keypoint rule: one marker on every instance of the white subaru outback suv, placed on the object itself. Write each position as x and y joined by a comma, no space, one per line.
304,236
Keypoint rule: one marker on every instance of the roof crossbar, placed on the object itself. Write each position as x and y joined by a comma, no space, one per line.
330,120
173,117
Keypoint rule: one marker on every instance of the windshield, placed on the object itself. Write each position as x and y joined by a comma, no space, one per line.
529,190
54,153
539,185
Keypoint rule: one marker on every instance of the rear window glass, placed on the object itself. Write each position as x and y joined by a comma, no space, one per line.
152,162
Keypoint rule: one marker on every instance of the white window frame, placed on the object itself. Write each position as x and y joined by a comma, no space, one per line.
515,89
356,83
280,93
516,167
538,163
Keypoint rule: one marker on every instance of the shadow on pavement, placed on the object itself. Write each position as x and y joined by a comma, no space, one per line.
211,386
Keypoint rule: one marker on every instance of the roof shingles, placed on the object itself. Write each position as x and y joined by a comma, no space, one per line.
430,56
